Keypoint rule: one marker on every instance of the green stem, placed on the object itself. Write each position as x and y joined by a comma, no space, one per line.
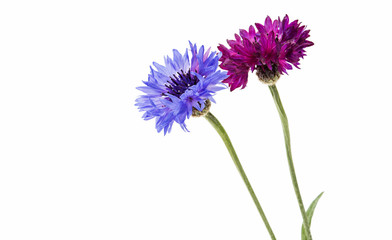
285,125
221,131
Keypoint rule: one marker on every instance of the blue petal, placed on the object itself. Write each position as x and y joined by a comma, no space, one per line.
161,68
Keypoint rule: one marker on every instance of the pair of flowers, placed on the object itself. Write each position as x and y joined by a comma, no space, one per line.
185,87
182,85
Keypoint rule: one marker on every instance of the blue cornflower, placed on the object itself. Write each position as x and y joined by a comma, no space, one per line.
183,85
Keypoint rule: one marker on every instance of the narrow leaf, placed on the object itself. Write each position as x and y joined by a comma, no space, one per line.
309,214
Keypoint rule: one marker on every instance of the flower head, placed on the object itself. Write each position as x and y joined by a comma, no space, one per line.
181,86
271,49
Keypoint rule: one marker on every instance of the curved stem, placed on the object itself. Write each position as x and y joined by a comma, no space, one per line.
221,131
285,125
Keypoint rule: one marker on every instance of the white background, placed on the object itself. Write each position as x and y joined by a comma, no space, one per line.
78,162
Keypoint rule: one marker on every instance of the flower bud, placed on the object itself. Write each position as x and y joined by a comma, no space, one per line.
266,75
206,109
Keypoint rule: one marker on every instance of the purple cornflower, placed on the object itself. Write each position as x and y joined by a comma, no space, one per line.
181,87
271,50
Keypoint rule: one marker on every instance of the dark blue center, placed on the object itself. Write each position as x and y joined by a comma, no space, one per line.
180,82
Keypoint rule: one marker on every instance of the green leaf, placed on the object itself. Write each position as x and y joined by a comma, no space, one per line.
309,214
